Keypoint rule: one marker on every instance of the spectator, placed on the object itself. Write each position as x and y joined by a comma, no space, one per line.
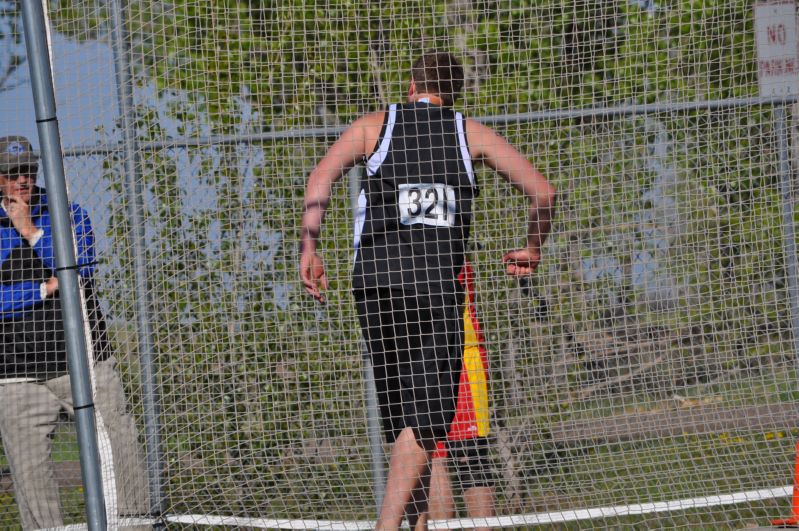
34,382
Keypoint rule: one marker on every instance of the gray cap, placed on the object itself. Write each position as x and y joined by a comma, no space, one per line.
16,151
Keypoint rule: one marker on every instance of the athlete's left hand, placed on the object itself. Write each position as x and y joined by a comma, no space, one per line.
522,262
312,273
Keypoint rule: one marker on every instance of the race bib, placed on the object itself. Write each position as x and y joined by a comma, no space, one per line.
427,203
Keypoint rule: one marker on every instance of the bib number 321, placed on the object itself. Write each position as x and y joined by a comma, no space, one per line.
427,203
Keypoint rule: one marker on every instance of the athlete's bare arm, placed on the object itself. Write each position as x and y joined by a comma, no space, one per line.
356,142
493,150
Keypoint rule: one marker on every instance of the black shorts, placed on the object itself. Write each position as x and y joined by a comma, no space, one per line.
472,462
416,346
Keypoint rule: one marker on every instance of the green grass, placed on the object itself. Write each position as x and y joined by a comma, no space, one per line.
576,476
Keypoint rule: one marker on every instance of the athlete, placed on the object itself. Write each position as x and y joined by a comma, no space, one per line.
467,441
412,227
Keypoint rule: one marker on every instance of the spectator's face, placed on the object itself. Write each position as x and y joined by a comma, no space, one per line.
18,183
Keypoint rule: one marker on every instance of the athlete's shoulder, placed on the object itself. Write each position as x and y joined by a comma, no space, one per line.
368,121
371,118
473,127
361,134
482,139
368,128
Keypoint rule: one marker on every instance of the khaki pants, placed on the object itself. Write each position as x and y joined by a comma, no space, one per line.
28,415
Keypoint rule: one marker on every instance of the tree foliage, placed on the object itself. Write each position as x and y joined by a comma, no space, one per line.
11,42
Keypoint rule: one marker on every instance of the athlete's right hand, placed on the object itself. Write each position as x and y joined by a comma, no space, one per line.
521,262
312,273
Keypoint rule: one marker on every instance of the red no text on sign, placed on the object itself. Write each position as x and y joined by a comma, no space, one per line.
777,47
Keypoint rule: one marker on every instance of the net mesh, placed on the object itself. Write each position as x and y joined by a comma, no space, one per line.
650,359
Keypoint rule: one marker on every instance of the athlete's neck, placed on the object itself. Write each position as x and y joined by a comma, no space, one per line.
432,99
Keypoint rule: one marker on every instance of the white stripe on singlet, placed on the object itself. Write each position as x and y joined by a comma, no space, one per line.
467,158
380,154
372,166
360,219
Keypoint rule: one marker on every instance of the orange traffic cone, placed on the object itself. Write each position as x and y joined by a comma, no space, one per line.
793,521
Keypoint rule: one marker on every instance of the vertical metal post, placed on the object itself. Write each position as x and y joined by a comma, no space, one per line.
372,412
135,194
787,188
65,259
373,430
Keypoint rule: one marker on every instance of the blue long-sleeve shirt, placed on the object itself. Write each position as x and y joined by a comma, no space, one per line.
21,274
31,324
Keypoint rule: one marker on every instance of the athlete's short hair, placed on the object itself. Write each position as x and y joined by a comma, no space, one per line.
439,73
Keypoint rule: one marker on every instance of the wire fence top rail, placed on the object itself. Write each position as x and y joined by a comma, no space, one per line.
533,116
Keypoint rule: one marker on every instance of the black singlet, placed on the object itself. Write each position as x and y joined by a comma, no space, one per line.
415,205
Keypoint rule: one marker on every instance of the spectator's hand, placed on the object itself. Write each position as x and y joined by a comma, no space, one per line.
312,273
51,286
19,212
522,262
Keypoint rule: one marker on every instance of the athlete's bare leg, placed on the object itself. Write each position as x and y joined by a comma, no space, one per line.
409,463
442,504
416,510
479,500
479,504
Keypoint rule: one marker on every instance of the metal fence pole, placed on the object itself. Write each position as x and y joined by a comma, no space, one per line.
65,260
135,194
372,413
373,430
787,189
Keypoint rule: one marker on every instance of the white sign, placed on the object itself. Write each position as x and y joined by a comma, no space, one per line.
777,47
